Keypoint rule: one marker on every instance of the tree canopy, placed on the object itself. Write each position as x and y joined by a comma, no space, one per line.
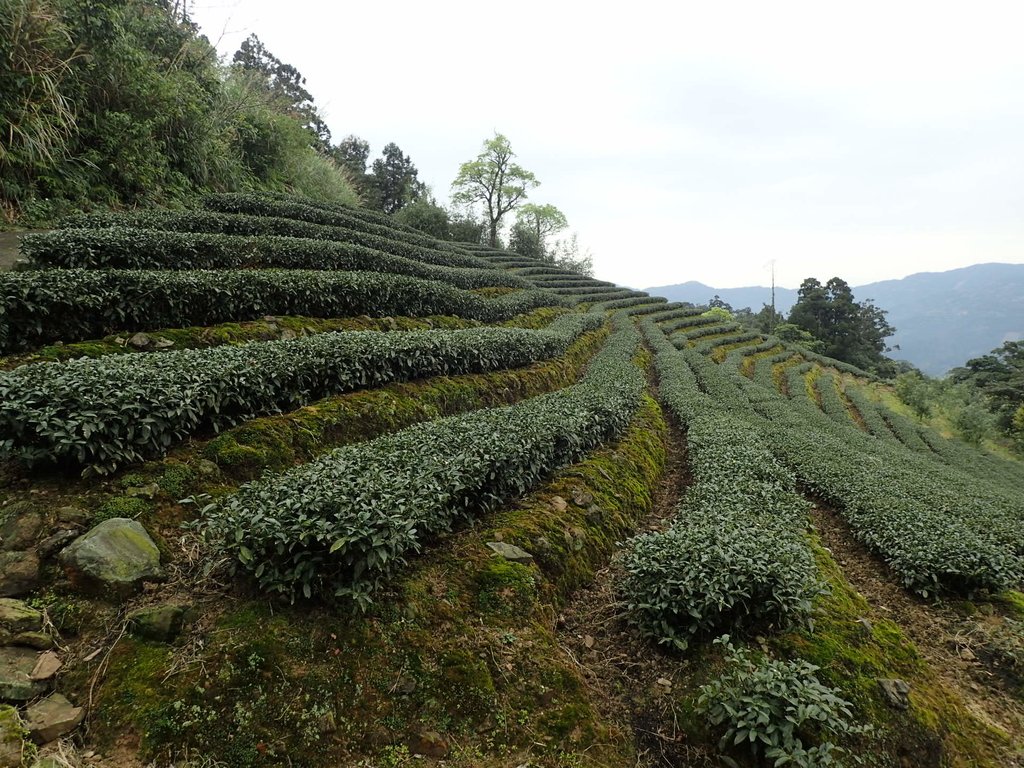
494,181
851,331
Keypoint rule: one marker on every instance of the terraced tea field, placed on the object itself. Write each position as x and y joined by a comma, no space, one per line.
285,483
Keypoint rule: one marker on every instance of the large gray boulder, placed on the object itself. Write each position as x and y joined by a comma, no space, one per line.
116,556
51,718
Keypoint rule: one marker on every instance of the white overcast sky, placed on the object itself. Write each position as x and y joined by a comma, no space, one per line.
695,140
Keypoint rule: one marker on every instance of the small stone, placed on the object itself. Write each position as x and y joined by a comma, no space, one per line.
162,343
428,744
19,573
16,665
162,623
143,491
38,640
588,640
967,654
207,468
21,529
559,504
75,516
46,666
511,552
664,682
12,744
52,718
139,341
288,334
117,554
120,340
866,627
895,692
406,685
582,498
17,616
51,545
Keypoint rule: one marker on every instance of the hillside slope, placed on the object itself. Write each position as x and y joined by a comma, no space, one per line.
942,319
286,484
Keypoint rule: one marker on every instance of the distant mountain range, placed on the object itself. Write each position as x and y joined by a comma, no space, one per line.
942,319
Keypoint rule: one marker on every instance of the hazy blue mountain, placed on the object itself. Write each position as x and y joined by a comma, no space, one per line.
942,319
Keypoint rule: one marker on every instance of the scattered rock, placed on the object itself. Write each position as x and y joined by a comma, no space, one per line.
17,616
19,573
269,319
162,623
588,640
967,654
75,516
511,552
895,692
46,666
139,340
120,340
143,491
288,334
51,718
162,343
12,744
51,545
406,684
207,468
664,682
582,498
16,665
117,554
21,529
428,744
559,504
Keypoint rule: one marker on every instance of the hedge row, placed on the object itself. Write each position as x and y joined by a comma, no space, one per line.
735,555
339,526
303,210
41,307
210,222
127,248
101,414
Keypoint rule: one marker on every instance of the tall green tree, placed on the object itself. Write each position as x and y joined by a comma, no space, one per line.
285,84
999,378
541,222
494,181
395,180
850,331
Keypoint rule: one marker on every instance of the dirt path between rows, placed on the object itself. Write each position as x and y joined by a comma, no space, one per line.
935,629
627,674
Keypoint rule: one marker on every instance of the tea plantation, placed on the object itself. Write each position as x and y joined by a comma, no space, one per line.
284,483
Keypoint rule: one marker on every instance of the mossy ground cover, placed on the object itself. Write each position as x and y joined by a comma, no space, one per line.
461,654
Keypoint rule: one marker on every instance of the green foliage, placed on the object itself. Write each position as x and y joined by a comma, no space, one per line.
125,247
339,526
916,391
494,182
734,555
794,334
122,102
395,180
778,708
106,412
426,217
75,304
358,227
37,118
718,313
853,332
